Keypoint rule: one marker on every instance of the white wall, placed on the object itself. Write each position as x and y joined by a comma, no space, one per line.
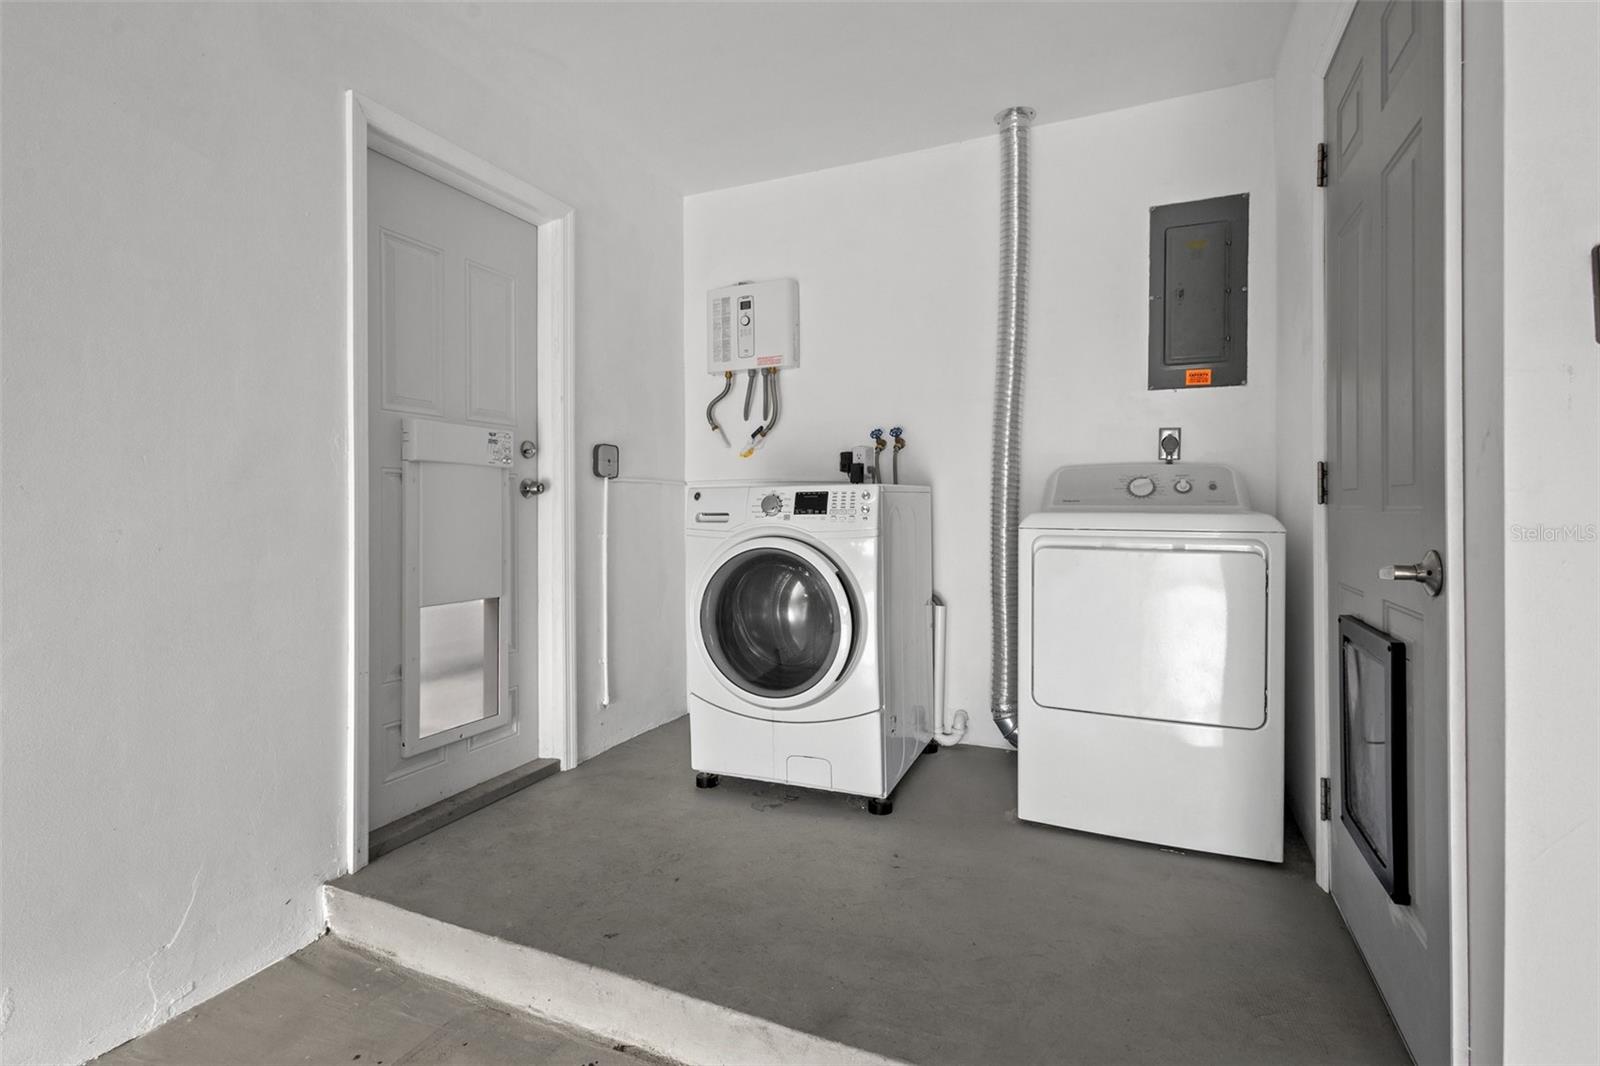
897,262
1302,366
1552,579
174,441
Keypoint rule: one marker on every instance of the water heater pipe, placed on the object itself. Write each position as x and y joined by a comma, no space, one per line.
1011,345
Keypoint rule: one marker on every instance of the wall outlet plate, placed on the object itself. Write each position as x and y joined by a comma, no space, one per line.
1169,444
607,460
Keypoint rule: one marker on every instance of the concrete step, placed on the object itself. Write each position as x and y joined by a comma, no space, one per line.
615,1008
334,1004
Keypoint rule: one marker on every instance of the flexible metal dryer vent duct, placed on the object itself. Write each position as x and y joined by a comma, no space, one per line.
1007,463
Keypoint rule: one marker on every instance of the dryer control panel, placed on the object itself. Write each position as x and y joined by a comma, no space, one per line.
1146,486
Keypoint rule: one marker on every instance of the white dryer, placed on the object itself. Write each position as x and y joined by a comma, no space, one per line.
1151,659
810,657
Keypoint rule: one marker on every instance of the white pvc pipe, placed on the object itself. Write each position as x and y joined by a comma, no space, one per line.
945,733
605,593
938,664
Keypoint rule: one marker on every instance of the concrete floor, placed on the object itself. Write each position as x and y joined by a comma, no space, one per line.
330,1003
946,932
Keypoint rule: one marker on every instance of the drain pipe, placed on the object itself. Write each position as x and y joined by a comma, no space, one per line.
951,731
1004,492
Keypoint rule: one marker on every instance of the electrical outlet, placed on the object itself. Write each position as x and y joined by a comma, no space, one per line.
1169,444
607,460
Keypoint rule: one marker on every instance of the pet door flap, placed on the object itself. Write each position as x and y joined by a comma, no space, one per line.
456,481
1372,751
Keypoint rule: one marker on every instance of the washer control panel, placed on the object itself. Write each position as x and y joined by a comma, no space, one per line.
1156,486
818,507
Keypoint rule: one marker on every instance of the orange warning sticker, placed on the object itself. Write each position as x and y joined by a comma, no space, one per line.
1197,377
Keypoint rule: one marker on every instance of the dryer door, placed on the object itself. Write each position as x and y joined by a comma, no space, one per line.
1152,629
777,622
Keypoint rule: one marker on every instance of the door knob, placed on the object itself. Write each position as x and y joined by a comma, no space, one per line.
530,487
1429,573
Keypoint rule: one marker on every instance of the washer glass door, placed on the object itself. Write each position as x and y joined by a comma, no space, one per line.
775,620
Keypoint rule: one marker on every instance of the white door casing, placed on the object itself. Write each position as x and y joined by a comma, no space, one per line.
1387,389
551,520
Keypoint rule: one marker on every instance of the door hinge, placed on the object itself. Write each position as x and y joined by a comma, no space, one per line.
1327,799
1322,481
1322,165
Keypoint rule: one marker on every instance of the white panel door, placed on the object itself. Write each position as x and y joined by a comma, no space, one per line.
1384,114
451,304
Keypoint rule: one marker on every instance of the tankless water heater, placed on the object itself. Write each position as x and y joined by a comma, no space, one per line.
753,325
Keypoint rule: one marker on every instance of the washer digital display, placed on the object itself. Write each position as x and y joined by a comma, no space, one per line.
811,503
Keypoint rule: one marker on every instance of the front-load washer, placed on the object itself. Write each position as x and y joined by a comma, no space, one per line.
1151,659
810,647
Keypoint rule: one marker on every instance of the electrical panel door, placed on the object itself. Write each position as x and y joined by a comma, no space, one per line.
1199,280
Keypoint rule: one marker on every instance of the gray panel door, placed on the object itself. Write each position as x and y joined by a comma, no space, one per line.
1383,100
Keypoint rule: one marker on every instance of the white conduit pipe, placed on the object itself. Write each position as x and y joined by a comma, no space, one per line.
605,592
945,733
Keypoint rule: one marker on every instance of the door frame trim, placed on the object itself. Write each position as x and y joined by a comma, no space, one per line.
369,125
1455,511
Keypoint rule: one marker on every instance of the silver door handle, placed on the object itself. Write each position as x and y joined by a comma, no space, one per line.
530,487
1429,573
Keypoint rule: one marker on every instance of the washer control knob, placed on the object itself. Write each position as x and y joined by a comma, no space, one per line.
1141,487
771,503
1183,484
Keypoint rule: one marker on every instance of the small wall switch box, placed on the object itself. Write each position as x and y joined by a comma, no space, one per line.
607,460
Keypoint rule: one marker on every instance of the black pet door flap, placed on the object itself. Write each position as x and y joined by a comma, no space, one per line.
1372,731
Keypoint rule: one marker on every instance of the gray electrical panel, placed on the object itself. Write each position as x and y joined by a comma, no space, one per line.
1199,262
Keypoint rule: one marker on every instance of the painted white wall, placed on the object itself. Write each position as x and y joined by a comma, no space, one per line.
1302,367
1552,509
174,438
897,262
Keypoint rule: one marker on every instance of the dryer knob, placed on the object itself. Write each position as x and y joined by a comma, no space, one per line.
1141,487
771,503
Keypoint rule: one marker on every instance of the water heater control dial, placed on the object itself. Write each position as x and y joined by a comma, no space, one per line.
771,503
1141,487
